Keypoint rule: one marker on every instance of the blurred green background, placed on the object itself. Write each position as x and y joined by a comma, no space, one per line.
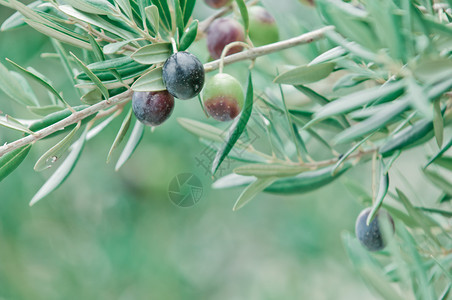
116,235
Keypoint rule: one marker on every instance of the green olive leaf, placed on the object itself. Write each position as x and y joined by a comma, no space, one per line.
56,152
305,74
151,81
152,54
132,144
252,190
11,160
63,171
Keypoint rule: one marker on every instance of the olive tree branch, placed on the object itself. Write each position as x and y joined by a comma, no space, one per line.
126,96
270,48
73,118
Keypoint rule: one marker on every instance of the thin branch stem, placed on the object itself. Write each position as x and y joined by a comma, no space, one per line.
271,48
73,118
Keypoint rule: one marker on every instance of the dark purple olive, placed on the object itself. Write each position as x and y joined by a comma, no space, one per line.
183,75
152,108
217,3
371,237
222,32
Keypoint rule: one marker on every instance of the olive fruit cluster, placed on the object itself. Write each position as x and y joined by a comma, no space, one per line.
371,236
223,31
183,76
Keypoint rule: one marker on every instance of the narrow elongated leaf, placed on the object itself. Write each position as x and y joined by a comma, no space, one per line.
179,17
65,62
114,63
382,191
97,7
440,153
13,88
63,171
232,180
237,127
328,55
306,181
59,35
244,12
164,13
438,123
96,21
311,94
44,110
56,152
189,36
347,154
153,15
126,8
439,181
252,190
416,215
187,9
11,123
121,133
355,100
132,144
16,20
92,97
445,162
115,47
373,123
269,170
408,137
151,81
202,130
38,78
93,77
11,160
305,74
152,54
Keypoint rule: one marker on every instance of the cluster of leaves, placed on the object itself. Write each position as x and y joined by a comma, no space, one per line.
122,42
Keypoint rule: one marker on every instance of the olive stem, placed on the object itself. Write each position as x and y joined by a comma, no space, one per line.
226,50
73,118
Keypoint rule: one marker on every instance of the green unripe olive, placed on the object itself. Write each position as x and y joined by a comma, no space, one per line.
263,29
223,97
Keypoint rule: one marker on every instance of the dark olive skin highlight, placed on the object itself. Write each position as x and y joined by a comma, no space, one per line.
223,97
183,75
152,108
371,237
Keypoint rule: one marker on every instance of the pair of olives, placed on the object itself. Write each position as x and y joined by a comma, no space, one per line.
183,75
223,31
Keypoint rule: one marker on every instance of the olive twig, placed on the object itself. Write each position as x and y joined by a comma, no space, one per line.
270,48
226,50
